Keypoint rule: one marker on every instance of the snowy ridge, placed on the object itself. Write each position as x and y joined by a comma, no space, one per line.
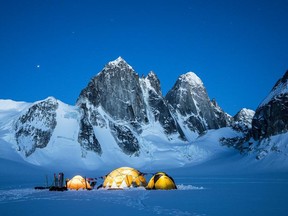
10,109
9,105
281,87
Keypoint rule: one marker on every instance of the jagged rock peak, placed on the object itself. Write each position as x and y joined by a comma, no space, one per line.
117,89
152,75
119,63
191,78
190,99
245,116
154,82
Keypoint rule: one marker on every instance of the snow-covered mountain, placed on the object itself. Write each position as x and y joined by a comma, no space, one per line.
243,120
122,119
270,122
119,100
264,132
271,117
193,107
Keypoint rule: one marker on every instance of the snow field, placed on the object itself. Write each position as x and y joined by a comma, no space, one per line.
242,195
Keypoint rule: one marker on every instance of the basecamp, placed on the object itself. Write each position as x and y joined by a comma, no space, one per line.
78,182
124,177
161,181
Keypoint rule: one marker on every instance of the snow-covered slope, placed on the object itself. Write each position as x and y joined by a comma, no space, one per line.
64,148
204,191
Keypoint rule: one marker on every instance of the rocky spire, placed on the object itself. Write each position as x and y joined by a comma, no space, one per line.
190,99
117,90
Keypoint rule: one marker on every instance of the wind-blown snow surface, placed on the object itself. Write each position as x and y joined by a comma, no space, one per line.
202,190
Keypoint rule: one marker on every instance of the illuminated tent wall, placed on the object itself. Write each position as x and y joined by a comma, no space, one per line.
161,181
78,182
124,177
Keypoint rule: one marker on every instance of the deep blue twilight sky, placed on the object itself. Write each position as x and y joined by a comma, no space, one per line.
239,48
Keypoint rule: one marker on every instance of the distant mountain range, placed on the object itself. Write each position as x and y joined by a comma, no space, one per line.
123,118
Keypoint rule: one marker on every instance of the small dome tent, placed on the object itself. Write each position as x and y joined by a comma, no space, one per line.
78,182
161,181
124,177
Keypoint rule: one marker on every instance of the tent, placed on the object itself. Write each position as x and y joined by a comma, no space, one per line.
78,182
124,177
161,181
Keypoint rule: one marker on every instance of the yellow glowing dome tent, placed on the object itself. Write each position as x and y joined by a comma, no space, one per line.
78,182
124,177
161,181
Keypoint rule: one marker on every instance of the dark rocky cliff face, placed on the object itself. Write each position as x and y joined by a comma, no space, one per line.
117,90
271,117
190,99
154,82
86,136
222,118
125,139
159,107
34,128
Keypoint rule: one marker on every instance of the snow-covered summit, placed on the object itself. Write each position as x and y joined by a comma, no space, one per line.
191,78
193,106
120,63
244,114
243,119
